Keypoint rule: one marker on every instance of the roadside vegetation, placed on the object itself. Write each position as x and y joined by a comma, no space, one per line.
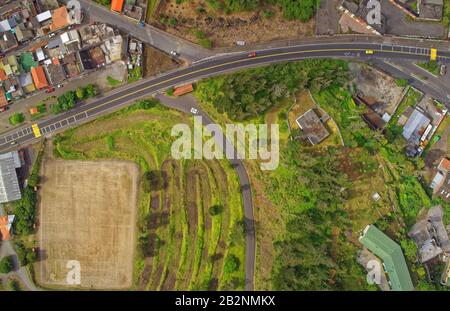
190,225
17,118
69,99
319,199
432,67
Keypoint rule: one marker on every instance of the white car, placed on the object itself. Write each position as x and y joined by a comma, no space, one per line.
174,53
193,110
240,43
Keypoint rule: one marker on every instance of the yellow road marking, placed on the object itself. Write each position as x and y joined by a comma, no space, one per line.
433,54
240,61
236,62
36,131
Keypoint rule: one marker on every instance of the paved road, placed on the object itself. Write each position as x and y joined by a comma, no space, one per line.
213,66
148,34
185,104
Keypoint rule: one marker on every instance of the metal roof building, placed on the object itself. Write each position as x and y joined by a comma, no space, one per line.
9,185
391,254
416,124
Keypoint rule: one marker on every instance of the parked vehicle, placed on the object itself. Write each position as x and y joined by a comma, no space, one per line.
443,70
240,42
174,53
194,110
3,109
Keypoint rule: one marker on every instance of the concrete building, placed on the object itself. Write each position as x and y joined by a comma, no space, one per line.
9,185
313,127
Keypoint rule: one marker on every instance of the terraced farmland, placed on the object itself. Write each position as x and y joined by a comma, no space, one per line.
190,211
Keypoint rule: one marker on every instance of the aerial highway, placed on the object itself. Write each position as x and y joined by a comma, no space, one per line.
211,66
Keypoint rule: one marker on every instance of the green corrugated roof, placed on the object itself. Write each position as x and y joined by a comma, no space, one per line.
391,254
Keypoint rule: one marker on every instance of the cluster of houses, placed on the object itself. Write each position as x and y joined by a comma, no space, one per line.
69,50
132,8
431,238
433,252
419,123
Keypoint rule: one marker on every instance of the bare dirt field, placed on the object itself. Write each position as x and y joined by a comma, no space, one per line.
225,29
87,213
156,62
376,86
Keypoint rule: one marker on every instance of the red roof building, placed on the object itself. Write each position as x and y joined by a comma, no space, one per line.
181,90
444,165
5,227
3,100
117,5
39,78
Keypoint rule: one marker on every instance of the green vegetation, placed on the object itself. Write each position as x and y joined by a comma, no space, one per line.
134,74
70,98
25,208
112,82
446,13
201,38
25,255
431,66
42,109
321,194
170,91
6,264
152,5
17,118
401,82
302,10
190,212
27,61
14,285
247,94
104,2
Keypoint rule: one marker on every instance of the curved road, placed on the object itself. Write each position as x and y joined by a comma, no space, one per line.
214,66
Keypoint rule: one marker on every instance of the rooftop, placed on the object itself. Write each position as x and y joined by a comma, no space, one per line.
391,254
9,185
55,73
39,78
314,129
60,18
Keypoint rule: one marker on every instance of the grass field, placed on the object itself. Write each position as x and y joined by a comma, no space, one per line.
181,244
89,218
